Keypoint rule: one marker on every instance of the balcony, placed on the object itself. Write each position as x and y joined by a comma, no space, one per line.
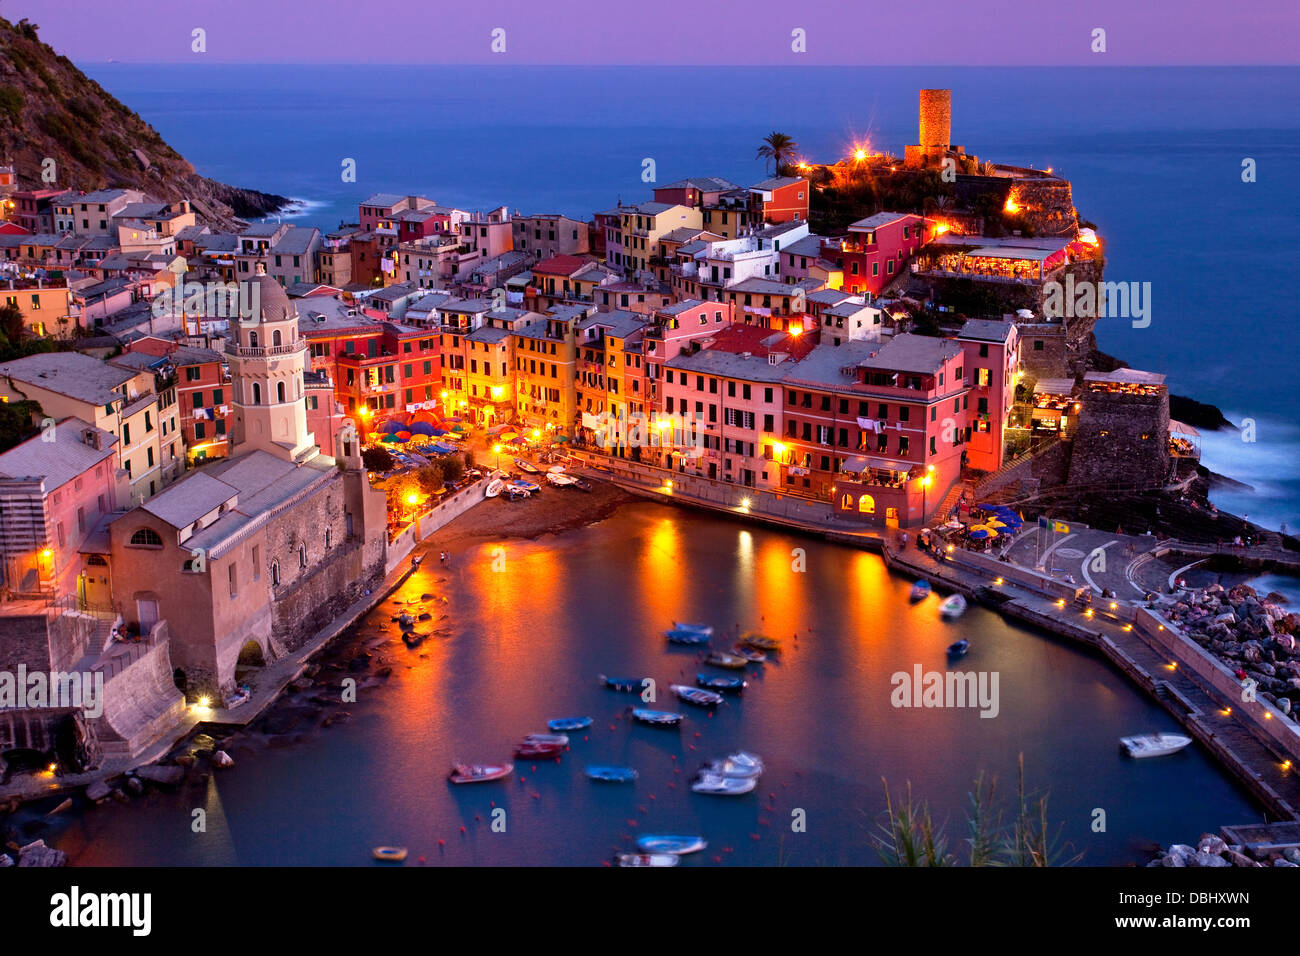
265,351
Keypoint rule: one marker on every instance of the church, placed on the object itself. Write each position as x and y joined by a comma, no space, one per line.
248,557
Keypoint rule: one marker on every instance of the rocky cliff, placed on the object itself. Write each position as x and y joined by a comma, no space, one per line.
49,109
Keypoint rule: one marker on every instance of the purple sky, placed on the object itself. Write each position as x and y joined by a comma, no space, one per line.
984,33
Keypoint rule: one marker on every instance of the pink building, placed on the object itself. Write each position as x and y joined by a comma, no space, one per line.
877,249
992,352
56,488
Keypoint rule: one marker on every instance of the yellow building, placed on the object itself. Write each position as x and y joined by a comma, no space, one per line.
642,226
545,350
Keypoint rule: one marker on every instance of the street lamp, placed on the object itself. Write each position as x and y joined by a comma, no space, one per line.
925,491
497,450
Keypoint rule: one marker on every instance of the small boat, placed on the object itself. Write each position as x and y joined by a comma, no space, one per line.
569,723
622,683
581,484
531,750
741,766
560,739
659,718
611,774
920,590
733,662
555,470
647,859
493,488
694,695
732,684
524,465
473,773
676,845
760,641
514,494
706,629
954,606
958,648
724,786
693,638
560,480
1154,745
523,484
389,854
748,654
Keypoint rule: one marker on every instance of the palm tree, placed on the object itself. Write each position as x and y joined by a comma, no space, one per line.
778,148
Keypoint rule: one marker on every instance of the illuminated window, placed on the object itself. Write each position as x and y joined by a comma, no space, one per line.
867,505
146,538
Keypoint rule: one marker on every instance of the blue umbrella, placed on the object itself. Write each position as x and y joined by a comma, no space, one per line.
422,428
392,426
979,534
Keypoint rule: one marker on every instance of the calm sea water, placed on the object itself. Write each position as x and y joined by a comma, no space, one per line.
1155,156
528,643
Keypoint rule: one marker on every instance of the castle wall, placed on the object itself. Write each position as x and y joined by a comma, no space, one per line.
1122,439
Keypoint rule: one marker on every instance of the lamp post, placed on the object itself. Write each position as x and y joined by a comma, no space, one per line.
497,451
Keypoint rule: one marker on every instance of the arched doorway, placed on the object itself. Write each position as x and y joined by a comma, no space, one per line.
251,659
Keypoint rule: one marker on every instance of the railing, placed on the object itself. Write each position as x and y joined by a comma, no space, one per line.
261,351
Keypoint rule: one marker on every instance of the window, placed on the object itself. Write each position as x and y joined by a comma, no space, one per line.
302,556
257,563
275,574
146,538
233,574
983,376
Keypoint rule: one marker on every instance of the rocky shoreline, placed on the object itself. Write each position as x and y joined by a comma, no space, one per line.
1254,637
1214,851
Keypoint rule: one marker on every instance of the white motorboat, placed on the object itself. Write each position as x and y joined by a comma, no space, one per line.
738,766
559,479
493,488
953,607
647,859
1154,745
723,786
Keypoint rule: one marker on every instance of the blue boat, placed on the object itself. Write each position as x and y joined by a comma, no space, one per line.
958,648
569,723
612,774
677,845
920,590
659,718
706,629
622,683
679,636
716,682
524,484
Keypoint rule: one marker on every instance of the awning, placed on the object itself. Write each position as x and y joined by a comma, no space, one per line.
856,466
1178,428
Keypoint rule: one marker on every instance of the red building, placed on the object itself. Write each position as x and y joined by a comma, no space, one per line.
877,249
34,209
783,199
202,395
877,428
992,352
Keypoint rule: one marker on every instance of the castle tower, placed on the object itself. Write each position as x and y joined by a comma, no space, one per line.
935,119
267,359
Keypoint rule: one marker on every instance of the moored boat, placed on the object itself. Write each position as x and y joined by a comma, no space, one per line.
530,750
493,488
676,845
475,773
659,718
733,662
750,654
524,464
953,606
561,739
581,484
1154,745
696,695
958,648
693,638
700,628
719,785
717,682
523,484
646,859
389,854
736,766
920,590
607,774
760,641
621,683
569,723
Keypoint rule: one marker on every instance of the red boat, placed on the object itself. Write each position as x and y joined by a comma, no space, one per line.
473,773
527,750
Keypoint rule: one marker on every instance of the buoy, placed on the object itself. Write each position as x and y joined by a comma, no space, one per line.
691,746
477,817
652,796
492,803
462,829
697,733
672,785
441,843
534,768
537,796
717,859
755,836
630,823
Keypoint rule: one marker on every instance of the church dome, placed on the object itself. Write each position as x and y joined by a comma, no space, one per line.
274,302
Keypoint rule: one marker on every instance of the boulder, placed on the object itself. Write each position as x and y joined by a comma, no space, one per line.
37,853
1237,858
301,683
1211,843
1278,862
163,776
1170,860
222,759
1292,854
99,790
6,860
185,760
1209,859
1183,852
134,785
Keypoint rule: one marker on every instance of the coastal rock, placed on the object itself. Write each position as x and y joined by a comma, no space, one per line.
301,683
1183,852
222,759
1278,862
37,853
1211,843
99,790
135,785
1209,859
1284,705
186,760
1292,854
1237,858
1273,597
1252,652
6,860
1170,860
163,776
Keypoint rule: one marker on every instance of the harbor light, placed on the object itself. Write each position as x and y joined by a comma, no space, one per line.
52,767
1286,765
1012,206
412,499
444,394
496,449
997,580
1088,613
1128,627
1113,605
1267,715
778,448
1060,602
47,553
1227,712
668,483
365,411
744,503
537,433
950,549
205,702
859,155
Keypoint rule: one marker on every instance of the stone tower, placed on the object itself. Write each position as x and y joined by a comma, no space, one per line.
267,359
1122,434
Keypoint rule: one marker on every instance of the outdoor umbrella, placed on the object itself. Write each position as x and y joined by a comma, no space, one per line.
392,426
421,428
979,534
458,428
403,435
995,523
391,440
